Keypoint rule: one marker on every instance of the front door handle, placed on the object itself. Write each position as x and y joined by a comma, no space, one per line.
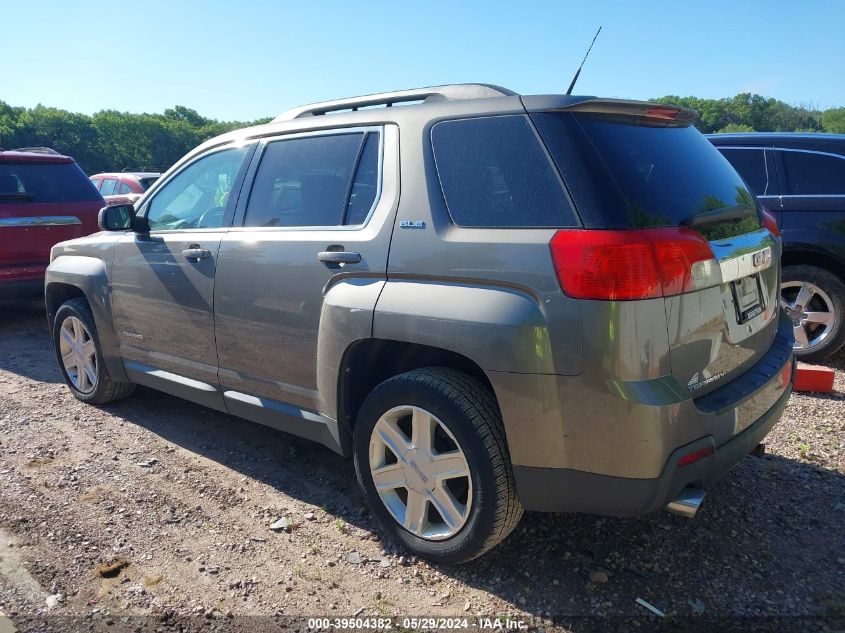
195,253
339,257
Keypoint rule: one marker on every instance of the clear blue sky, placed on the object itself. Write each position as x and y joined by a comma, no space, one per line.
237,59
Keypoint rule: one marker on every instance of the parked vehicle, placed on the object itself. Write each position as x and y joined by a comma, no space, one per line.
124,187
571,307
44,198
800,178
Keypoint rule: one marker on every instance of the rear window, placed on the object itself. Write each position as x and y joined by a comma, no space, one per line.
495,173
45,182
629,175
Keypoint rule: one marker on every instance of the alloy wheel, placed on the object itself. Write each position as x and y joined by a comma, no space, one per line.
420,472
811,311
79,354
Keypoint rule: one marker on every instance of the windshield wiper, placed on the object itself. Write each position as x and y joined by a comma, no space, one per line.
16,196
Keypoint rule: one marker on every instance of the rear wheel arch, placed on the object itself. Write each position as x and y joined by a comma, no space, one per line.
369,362
804,257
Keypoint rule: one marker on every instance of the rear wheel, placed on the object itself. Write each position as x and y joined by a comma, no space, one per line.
80,357
432,461
814,299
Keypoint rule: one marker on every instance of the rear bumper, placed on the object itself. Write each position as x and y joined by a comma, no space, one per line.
566,490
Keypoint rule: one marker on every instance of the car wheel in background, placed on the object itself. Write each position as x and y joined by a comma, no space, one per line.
814,299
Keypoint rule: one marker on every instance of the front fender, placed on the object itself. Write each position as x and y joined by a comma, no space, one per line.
89,275
499,328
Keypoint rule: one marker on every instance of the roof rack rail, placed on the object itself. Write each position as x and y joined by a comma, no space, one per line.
36,150
452,92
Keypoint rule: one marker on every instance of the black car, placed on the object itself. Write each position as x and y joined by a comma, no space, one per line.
800,178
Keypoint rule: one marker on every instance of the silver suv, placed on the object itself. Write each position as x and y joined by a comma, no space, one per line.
489,301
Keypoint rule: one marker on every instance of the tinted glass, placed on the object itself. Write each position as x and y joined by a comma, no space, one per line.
365,185
809,174
495,173
624,175
197,197
147,182
45,182
751,165
109,187
304,181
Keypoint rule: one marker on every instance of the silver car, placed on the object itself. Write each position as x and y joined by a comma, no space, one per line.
488,301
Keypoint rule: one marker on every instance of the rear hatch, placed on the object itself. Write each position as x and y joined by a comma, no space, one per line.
43,200
642,172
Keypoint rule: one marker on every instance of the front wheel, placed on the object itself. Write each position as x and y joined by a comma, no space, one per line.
814,299
432,460
80,357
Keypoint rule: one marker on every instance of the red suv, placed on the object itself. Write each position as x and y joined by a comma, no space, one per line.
45,198
124,187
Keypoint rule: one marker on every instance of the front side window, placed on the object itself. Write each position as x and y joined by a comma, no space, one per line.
315,181
751,165
197,197
809,173
495,173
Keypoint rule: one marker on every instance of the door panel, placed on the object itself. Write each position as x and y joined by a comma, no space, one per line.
271,284
163,281
162,302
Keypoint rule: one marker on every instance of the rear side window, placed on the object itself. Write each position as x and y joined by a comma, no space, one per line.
751,165
109,187
627,174
45,182
315,181
808,173
495,173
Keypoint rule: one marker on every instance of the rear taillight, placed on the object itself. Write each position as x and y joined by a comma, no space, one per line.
632,264
771,223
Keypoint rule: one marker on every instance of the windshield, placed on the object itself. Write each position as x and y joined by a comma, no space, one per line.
45,182
625,175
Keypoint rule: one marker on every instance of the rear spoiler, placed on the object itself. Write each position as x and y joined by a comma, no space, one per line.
624,110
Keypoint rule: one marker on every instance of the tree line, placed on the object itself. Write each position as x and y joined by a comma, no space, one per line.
115,141
111,140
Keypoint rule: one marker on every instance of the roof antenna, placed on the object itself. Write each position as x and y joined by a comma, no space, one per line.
578,72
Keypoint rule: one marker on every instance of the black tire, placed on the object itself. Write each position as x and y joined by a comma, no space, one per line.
469,411
106,389
834,288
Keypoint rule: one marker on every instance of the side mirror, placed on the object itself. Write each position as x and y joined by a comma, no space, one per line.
118,217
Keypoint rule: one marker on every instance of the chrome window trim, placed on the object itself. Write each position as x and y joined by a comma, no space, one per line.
40,220
276,138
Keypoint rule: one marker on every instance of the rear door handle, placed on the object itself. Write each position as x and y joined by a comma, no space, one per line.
339,257
196,253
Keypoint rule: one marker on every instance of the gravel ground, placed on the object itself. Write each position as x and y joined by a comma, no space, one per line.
154,514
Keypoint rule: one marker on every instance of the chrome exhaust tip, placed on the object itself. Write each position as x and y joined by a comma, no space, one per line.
687,503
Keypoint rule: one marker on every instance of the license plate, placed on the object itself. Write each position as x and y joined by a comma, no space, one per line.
747,295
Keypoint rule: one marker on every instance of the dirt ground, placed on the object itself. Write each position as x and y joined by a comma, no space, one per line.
154,514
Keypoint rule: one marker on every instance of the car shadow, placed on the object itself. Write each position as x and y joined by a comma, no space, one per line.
772,524
27,349
771,529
